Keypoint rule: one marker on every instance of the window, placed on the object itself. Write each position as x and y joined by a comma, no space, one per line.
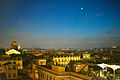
14,67
58,60
18,64
14,75
9,75
41,63
43,76
14,62
47,77
50,77
40,75
1,70
55,60
9,67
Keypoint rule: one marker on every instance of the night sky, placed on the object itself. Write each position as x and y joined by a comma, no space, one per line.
60,23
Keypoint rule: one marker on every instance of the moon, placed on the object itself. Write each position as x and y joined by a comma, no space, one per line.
81,8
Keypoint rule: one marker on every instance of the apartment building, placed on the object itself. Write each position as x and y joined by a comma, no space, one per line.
65,59
58,73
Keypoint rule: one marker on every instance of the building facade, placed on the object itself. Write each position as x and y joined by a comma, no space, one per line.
86,55
80,67
40,61
11,71
64,60
8,71
58,73
19,63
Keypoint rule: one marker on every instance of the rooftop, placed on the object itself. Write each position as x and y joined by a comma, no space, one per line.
72,74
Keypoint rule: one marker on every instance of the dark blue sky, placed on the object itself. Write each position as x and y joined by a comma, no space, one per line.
60,23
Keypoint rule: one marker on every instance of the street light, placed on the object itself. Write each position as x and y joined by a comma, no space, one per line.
114,67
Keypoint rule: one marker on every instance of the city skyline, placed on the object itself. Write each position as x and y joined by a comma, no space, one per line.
60,23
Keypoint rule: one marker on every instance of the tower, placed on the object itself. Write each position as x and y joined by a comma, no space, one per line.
14,44
19,46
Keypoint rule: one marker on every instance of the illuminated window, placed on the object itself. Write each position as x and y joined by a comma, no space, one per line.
9,67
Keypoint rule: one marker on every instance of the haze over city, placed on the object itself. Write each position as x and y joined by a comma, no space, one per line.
60,23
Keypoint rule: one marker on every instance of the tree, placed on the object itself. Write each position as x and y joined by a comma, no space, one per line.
2,51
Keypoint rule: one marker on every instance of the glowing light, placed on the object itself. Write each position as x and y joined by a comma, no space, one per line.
114,67
81,8
102,65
